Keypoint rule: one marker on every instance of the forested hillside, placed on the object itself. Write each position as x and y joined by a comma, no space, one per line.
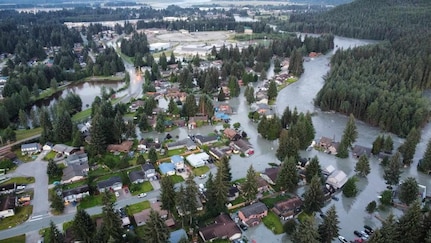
383,83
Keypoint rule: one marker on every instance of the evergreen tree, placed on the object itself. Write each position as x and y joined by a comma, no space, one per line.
362,167
160,123
191,193
329,228
377,145
77,139
249,187
349,189
387,233
272,90
408,191
54,236
163,62
409,226
306,232
111,220
282,145
119,127
393,171
221,188
189,107
388,144
227,175
371,207
98,139
296,65
23,120
249,94
314,197
233,85
152,155
349,137
221,96
57,203
83,226
408,148
288,178
313,169
210,206
53,170
167,194
425,163
155,229
173,107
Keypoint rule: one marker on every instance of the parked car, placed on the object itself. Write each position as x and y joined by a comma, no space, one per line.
322,215
203,176
364,234
342,239
357,233
335,198
243,227
142,195
367,231
369,228
117,194
20,187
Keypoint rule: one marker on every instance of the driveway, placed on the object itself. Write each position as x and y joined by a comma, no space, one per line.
155,184
37,169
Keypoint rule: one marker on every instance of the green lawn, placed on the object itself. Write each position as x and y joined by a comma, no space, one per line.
137,207
272,222
50,155
270,201
19,180
90,201
102,170
26,133
23,157
21,215
200,170
238,200
82,115
177,179
74,184
175,152
16,239
136,189
302,215
67,225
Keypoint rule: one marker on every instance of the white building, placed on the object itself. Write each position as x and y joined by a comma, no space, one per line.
198,160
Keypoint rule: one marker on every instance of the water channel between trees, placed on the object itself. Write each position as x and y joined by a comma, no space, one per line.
300,94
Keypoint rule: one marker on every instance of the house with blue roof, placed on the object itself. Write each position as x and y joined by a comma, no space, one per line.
178,162
167,169
221,116
177,235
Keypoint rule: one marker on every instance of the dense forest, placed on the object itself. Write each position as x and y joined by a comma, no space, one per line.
383,83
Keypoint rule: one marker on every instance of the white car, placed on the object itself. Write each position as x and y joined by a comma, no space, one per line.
342,239
117,194
20,187
142,195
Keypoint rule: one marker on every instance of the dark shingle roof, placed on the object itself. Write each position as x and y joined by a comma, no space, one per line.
255,208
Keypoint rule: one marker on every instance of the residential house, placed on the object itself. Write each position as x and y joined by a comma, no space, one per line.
114,183
265,110
30,148
221,116
178,162
149,171
185,143
75,194
84,128
167,169
270,175
177,235
147,145
198,160
359,150
262,185
64,149
222,228
252,214
179,123
302,163
233,193
77,158
288,209
217,153
337,179
206,140
48,146
8,188
231,134
124,147
74,172
142,217
136,104
325,142
243,146
7,206
137,177
195,120
225,108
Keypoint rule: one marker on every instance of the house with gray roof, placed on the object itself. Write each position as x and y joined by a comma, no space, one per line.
252,214
137,177
75,194
185,143
30,148
206,140
114,183
149,171
77,158
75,172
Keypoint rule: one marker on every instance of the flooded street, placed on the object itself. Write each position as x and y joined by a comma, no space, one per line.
351,211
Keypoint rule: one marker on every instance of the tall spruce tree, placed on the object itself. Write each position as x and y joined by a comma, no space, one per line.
221,188
362,167
155,229
387,233
393,171
314,197
227,174
349,137
54,236
167,194
408,148
272,90
288,178
425,163
249,187
408,191
306,232
111,219
98,138
409,226
377,145
328,229
313,169
83,226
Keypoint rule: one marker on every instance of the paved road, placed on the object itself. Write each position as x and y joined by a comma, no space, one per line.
37,169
